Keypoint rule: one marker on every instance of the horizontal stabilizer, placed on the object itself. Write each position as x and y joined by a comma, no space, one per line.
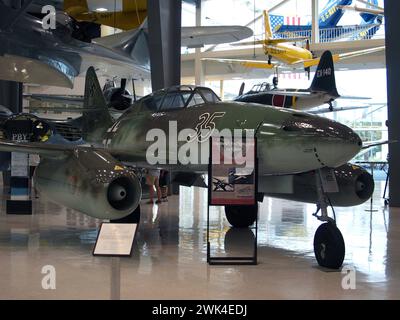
354,98
337,109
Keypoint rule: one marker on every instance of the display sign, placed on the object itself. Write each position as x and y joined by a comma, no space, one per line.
115,239
232,171
328,179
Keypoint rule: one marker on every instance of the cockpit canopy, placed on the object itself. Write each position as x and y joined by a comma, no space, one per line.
178,97
265,86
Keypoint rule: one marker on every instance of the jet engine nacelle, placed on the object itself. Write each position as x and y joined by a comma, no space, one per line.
355,184
91,182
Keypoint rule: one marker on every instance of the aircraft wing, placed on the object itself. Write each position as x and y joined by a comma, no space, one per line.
343,56
195,37
364,10
52,98
327,109
51,150
269,41
246,63
137,5
47,150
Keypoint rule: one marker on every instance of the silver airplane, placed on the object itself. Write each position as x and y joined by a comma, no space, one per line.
32,54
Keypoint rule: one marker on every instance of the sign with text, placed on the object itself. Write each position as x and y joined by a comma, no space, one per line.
115,239
232,171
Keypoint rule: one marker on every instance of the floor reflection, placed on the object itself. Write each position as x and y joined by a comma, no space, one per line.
170,252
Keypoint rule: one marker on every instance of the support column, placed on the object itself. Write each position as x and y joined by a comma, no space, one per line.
164,20
11,98
11,95
221,89
392,28
315,22
198,64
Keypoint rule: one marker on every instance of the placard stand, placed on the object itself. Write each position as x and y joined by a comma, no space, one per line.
218,198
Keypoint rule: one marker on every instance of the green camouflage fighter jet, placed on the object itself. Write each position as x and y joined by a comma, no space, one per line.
292,147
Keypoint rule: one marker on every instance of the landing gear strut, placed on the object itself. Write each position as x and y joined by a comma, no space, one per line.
329,247
241,216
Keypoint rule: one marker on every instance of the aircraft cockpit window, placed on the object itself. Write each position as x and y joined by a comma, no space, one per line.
265,86
153,102
173,100
209,95
195,100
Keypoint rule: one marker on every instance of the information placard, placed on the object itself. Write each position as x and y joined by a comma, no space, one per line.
115,239
232,171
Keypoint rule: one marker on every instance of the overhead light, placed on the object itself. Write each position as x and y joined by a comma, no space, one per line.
101,9
237,78
343,69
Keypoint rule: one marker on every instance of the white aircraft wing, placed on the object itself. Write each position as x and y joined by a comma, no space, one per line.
195,37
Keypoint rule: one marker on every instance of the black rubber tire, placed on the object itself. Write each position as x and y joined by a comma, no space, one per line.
238,239
329,247
134,217
241,216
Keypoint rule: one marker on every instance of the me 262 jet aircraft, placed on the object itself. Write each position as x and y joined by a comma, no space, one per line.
296,151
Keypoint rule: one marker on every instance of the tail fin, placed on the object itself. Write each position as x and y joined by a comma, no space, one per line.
94,123
324,78
267,25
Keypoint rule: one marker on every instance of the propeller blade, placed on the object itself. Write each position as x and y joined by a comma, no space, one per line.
123,84
241,90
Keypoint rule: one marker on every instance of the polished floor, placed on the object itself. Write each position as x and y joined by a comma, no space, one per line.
169,257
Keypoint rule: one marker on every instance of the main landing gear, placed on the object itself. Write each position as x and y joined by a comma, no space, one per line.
241,216
329,247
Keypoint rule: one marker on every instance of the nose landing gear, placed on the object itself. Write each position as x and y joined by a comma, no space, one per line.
329,246
241,216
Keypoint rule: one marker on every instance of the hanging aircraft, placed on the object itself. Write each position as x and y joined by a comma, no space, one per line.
132,15
118,99
328,20
287,55
32,54
322,91
295,150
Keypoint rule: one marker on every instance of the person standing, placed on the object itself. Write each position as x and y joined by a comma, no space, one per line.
152,180
164,182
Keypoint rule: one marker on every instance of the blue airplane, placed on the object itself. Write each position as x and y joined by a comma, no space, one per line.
328,20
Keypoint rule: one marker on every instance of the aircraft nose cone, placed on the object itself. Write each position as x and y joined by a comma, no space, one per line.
339,144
